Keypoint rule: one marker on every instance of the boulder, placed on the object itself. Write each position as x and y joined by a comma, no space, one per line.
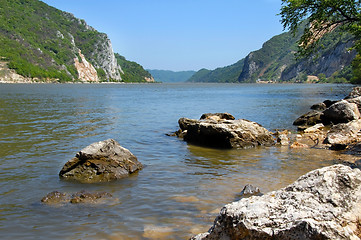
323,204
60,198
342,134
213,131
340,112
309,119
218,116
100,162
356,100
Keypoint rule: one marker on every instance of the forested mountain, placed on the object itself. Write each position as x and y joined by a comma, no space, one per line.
43,43
276,62
171,76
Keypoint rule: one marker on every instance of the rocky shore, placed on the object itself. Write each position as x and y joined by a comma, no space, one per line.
322,204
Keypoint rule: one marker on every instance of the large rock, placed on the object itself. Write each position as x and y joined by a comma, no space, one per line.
214,131
323,204
342,134
100,162
340,112
308,119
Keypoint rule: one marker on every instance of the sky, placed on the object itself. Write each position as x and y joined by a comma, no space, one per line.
180,35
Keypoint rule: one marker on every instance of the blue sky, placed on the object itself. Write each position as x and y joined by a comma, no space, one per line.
180,34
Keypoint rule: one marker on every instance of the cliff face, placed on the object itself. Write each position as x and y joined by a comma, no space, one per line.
41,42
276,62
328,63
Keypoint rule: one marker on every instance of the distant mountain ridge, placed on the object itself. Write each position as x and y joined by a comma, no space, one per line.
171,76
43,43
276,62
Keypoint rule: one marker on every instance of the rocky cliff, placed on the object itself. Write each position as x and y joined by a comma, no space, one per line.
41,42
276,61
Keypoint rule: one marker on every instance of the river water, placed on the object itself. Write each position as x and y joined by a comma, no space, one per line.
181,188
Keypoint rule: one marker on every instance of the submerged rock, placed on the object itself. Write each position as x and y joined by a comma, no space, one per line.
323,204
100,162
249,191
59,198
213,131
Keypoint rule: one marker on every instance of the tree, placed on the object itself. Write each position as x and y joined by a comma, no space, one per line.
321,17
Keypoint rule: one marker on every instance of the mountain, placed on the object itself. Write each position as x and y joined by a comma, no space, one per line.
276,61
171,76
227,74
42,43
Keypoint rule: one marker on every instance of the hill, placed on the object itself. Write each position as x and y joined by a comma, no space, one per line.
171,76
276,62
42,43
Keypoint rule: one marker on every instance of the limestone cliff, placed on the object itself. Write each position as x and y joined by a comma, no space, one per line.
86,71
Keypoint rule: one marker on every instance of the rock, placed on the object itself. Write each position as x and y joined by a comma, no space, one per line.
315,128
282,137
299,145
250,190
309,119
319,107
356,100
59,198
356,92
328,103
223,133
323,204
342,134
218,116
340,112
99,162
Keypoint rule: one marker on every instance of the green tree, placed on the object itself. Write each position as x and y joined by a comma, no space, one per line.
321,17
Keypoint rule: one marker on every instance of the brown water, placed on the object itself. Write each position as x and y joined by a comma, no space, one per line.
182,187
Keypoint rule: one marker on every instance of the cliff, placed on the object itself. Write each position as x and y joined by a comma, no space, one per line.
40,42
276,61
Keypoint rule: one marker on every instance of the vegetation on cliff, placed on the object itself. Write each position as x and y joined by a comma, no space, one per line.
276,62
132,71
40,41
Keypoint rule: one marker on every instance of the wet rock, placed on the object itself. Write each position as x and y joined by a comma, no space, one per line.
249,191
340,112
323,204
100,162
342,134
60,198
224,133
90,198
55,198
319,106
309,119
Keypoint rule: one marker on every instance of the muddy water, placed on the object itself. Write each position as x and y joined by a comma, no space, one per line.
181,188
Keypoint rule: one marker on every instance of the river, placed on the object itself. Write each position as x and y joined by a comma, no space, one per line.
181,188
